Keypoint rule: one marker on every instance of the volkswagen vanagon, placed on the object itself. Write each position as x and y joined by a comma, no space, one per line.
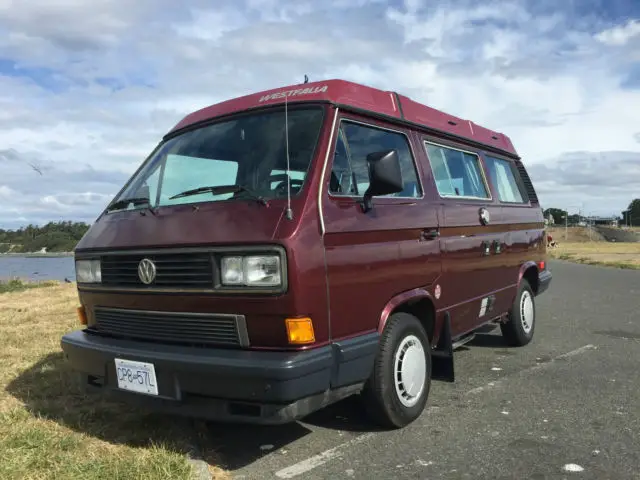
281,251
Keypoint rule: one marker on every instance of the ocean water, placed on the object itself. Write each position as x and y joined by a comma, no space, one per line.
37,268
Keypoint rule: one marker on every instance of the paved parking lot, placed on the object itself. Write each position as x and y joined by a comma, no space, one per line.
566,406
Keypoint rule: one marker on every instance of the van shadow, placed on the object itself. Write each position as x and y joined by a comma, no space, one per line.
488,340
49,389
240,445
488,336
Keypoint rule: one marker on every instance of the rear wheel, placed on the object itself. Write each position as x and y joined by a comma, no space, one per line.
520,326
397,391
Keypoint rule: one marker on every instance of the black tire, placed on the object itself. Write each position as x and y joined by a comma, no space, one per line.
514,331
380,396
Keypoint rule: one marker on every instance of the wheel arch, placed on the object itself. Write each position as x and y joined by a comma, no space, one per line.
417,302
531,273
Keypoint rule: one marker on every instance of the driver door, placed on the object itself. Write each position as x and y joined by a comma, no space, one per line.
373,256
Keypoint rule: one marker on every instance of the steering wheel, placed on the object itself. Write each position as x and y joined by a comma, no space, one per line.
281,188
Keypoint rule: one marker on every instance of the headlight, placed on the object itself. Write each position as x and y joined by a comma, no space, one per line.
88,271
254,271
232,271
262,270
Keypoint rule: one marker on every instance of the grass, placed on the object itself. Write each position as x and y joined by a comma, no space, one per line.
620,255
18,285
49,428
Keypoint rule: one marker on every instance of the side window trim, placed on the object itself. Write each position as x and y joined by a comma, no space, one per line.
419,180
479,162
516,176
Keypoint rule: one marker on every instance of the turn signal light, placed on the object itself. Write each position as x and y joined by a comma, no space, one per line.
300,330
82,315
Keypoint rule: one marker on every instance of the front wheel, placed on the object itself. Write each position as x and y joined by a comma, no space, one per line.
519,328
397,391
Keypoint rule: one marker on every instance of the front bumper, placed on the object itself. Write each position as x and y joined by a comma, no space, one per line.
229,385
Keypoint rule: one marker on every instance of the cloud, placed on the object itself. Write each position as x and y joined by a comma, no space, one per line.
582,172
47,23
88,89
620,34
5,192
579,180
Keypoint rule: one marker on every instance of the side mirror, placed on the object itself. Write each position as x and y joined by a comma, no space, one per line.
385,176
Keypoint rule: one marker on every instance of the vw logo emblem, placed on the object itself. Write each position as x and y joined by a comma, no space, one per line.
146,271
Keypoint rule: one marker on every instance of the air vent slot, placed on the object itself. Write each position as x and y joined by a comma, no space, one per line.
528,185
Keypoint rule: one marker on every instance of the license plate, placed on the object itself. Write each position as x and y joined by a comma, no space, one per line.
137,377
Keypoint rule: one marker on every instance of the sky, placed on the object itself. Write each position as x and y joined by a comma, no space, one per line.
87,89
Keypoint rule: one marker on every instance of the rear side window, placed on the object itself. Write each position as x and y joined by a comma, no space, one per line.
350,172
457,173
503,177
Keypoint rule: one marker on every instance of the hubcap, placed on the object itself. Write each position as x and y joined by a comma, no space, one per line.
410,369
526,312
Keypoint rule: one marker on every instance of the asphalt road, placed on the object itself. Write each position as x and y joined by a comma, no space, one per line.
565,406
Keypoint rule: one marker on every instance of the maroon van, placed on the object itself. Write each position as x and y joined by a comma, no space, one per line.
283,250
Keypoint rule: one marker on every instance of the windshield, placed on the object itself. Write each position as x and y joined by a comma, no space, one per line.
248,152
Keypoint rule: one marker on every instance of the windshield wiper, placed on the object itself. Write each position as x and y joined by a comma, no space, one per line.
126,201
220,190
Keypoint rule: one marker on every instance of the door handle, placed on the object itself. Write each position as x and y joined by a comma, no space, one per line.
431,234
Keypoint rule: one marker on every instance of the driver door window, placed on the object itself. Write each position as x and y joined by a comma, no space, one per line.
342,176
350,171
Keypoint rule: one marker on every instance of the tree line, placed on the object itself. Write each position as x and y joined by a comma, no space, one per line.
630,216
54,237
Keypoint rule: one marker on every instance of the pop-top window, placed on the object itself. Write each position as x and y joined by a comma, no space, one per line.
233,159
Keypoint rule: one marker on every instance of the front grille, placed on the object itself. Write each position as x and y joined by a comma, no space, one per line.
176,270
169,327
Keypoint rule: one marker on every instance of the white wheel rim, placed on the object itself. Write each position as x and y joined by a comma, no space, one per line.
527,316
410,370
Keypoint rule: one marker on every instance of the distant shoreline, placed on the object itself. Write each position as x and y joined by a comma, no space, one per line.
38,254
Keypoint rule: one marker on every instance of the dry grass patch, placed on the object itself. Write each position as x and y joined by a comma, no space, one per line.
49,428
574,235
621,255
